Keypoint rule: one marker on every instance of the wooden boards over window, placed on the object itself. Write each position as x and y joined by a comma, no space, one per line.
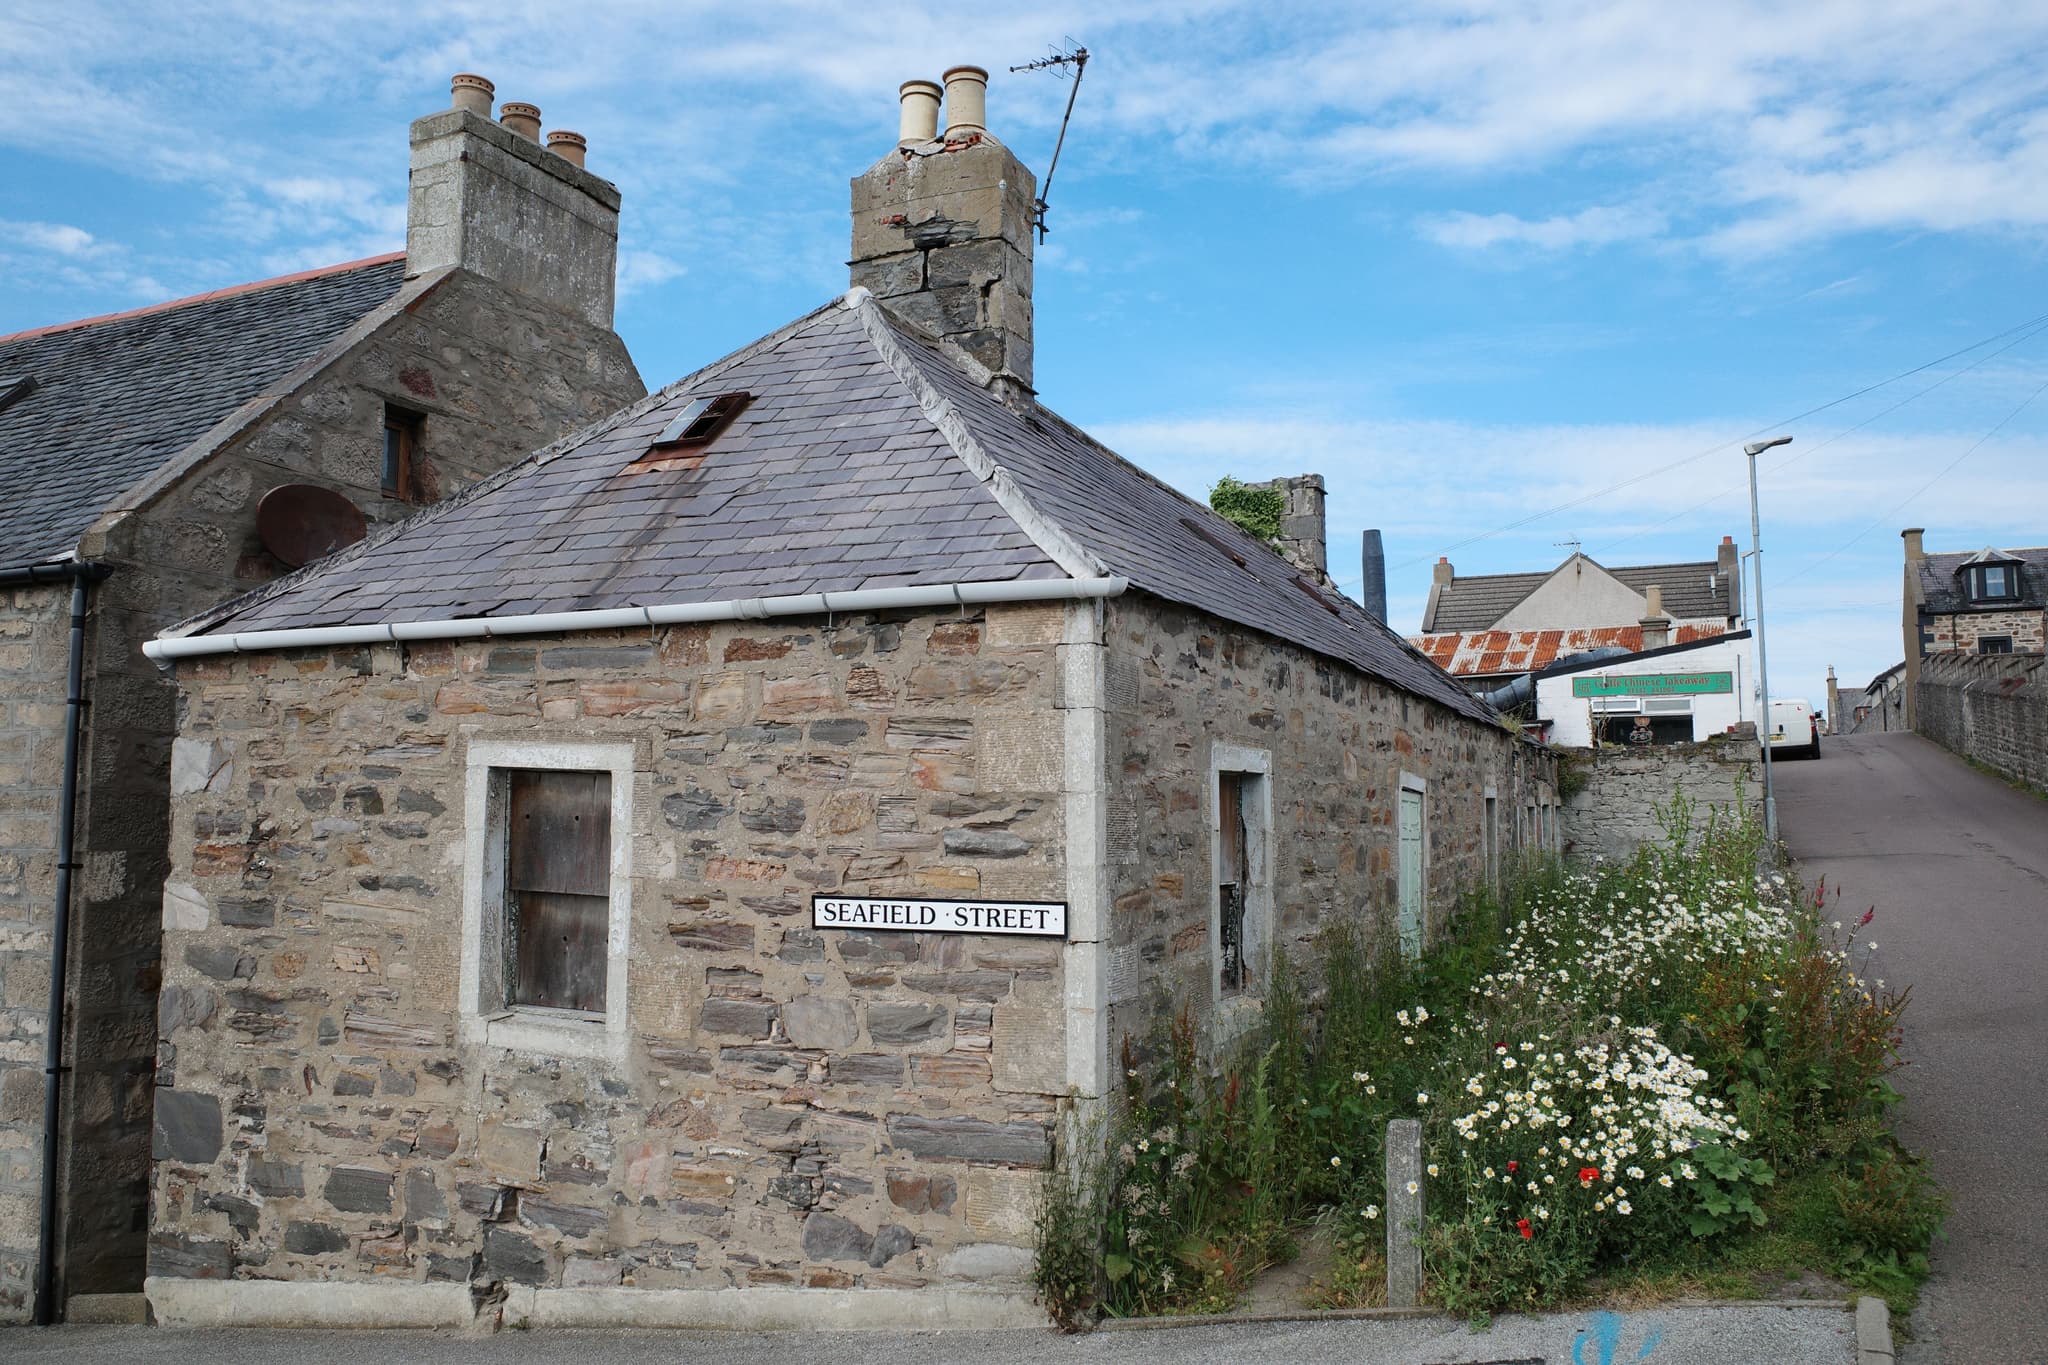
558,849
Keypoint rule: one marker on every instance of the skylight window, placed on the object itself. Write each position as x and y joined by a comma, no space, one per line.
701,419
14,388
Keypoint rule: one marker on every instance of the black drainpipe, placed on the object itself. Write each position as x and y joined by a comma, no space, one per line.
82,576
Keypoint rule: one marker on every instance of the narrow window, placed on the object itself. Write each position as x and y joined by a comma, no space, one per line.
1994,644
557,906
1234,876
401,451
1411,866
1492,836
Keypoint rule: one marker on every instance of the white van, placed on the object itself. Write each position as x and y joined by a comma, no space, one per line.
1795,729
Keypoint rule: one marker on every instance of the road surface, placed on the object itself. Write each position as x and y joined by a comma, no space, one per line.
1956,863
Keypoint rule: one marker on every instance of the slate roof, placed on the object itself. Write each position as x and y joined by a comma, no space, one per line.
1479,601
866,458
1943,589
1498,653
115,398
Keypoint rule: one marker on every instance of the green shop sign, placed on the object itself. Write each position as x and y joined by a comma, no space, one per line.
1654,685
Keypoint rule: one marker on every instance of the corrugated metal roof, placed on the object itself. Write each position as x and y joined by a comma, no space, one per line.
1499,653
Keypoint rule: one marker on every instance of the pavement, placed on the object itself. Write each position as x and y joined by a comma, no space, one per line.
1956,863
1810,1334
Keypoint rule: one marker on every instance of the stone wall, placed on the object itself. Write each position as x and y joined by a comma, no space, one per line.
465,358
34,635
1178,684
1989,707
793,1107
1960,631
1615,812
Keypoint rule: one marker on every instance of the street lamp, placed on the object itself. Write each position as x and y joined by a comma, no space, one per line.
1763,671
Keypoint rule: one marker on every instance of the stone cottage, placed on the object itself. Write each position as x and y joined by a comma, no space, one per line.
1992,601
680,879
157,462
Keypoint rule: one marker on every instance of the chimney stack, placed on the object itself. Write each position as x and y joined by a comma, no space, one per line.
1301,523
487,198
1444,573
1656,625
1728,563
1372,593
1911,599
942,230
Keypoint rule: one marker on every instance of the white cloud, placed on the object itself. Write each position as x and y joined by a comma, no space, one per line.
1601,225
60,238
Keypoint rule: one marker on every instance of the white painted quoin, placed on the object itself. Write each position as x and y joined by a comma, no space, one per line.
1571,716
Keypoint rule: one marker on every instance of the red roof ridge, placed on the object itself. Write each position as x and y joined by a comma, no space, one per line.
226,292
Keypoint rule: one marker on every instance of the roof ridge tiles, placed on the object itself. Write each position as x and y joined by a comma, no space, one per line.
210,296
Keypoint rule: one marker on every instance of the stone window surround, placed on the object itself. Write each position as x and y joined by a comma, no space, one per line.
483,1017
1489,832
1234,1014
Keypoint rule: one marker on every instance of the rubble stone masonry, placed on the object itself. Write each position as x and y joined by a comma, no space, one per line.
1179,684
1959,632
1619,808
1989,707
831,1110
34,626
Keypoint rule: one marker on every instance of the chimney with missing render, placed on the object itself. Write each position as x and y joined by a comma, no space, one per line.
488,198
1301,523
942,229
1656,625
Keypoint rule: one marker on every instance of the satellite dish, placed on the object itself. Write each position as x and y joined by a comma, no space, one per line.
300,522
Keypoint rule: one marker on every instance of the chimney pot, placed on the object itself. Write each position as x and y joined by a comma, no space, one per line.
472,92
920,113
966,103
523,119
568,146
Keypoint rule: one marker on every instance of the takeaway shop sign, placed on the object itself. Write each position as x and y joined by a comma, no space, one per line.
1654,685
1035,919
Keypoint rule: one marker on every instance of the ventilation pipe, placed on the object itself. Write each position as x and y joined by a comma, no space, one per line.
920,114
1372,593
966,103
1521,691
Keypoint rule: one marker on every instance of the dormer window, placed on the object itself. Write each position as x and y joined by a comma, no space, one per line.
1994,582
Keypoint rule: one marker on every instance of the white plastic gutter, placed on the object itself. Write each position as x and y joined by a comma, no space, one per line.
165,649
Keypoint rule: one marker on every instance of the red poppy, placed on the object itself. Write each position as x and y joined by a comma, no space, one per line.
1514,1166
1588,1174
1522,1226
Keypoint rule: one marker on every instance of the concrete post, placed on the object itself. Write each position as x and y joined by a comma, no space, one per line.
1404,1213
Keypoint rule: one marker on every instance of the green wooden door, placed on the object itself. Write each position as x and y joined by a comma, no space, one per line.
1411,873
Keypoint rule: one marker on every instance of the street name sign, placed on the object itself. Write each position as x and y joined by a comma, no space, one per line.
1036,919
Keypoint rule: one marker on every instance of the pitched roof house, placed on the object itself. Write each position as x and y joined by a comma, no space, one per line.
160,460
1990,601
718,846
1486,628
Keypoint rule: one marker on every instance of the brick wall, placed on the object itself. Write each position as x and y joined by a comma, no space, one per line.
1616,811
34,632
1180,683
795,1107
1990,707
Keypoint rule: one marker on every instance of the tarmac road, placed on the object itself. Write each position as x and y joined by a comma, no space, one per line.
1956,863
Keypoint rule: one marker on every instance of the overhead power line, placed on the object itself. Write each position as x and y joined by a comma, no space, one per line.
1735,443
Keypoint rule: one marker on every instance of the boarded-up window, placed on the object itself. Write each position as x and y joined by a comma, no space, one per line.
1233,877
558,853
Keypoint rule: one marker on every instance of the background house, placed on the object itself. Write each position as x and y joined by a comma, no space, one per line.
834,758
161,460
1988,601
1485,629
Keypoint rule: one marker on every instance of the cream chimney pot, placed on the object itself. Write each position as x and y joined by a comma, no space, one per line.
1656,596
920,115
966,103
472,92
568,146
523,119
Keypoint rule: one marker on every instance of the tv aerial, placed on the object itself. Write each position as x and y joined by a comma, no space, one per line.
1058,61
1575,545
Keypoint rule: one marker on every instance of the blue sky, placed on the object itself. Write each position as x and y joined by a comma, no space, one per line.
1470,261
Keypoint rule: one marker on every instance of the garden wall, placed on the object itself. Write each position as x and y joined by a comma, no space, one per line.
1989,707
1616,809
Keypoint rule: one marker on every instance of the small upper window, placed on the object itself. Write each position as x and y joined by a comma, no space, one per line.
401,454
701,419
1994,644
1994,582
